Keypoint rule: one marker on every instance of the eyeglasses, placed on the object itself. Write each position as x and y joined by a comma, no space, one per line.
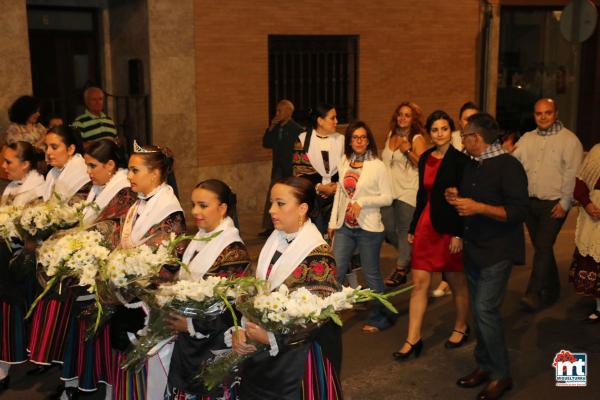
465,134
359,138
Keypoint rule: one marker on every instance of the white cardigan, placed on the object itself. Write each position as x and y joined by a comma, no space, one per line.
373,191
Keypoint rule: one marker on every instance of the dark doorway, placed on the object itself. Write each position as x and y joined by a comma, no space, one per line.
64,58
537,61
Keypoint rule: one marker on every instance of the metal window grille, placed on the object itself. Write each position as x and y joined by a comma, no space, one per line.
309,70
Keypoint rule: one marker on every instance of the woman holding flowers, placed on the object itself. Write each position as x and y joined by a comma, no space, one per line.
293,366
87,361
154,216
68,177
356,218
225,255
110,193
20,160
69,180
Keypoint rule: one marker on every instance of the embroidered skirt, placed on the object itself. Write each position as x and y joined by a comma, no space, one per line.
49,330
90,361
321,381
13,337
584,274
127,384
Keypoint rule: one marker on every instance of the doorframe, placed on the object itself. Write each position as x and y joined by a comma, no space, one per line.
491,11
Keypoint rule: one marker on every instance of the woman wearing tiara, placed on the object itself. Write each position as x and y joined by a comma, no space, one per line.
296,255
20,160
150,220
68,179
214,211
87,361
317,155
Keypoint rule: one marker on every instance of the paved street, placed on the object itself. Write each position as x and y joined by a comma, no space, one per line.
369,372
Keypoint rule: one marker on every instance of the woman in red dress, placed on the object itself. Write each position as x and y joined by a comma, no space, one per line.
435,234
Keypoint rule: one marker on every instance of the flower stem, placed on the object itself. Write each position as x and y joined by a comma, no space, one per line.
49,285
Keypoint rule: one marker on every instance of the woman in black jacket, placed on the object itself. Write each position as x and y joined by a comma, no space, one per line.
435,234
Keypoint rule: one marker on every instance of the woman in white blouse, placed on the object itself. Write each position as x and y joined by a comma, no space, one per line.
356,218
405,143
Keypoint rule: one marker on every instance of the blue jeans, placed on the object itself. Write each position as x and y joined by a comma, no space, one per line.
487,287
345,241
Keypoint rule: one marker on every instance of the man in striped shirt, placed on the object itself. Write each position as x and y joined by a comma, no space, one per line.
94,124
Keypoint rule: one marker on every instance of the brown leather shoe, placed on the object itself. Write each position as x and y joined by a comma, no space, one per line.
495,389
475,378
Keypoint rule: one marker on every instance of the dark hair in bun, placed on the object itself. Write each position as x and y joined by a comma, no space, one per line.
156,157
302,189
224,194
28,152
69,136
105,150
319,111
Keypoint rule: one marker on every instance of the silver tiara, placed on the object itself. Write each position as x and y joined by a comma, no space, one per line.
139,149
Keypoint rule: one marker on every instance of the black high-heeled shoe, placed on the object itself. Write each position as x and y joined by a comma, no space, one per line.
397,278
414,348
5,383
463,340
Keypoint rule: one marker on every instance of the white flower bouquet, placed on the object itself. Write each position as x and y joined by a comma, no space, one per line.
40,220
8,229
140,264
130,272
199,299
71,254
288,312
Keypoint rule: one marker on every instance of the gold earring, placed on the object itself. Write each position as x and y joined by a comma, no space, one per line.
300,221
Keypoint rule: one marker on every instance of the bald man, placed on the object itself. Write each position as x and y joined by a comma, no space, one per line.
551,155
94,124
280,137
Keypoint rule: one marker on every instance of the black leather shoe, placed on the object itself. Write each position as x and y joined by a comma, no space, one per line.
4,383
549,297
416,348
495,389
463,340
39,370
71,393
474,379
531,303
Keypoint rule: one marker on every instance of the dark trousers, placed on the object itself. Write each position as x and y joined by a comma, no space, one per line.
487,287
543,230
396,219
